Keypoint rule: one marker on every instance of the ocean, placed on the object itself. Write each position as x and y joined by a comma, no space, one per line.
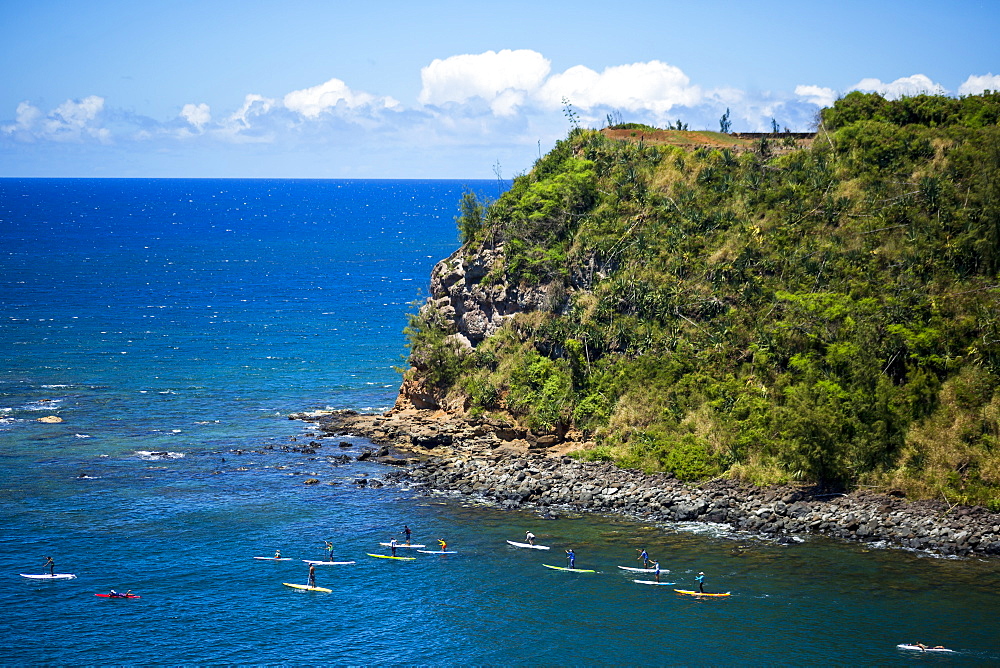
173,325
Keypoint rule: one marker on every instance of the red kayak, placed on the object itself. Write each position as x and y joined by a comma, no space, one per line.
118,596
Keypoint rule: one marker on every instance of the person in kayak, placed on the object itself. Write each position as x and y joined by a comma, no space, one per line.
50,562
643,557
530,537
572,558
701,582
312,575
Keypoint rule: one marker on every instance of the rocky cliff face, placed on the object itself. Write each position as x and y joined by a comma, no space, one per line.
477,310
473,310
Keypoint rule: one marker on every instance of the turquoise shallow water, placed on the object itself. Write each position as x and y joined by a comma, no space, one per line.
191,317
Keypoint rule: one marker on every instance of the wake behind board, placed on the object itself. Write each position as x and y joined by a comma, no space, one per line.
386,556
274,558
652,582
118,596
571,570
533,547
307,587
698,593
632,569
313,562
437,551
918,648
47,576
401,545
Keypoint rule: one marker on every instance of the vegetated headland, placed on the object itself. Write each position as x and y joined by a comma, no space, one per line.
822,319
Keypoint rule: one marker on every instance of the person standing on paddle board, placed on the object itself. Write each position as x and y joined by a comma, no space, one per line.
572,558
643,557
530,537
312,575
406,530
329,550
444,545
392,546
50,562
277,554
656,573
701,582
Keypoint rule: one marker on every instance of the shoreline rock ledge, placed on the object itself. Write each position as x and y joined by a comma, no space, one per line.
439,451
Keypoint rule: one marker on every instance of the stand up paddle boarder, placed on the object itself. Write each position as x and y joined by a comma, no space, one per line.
392,546
530,537
312,575
277,554
643,557
572,558
329,550
406,530
656,573
701,582
51,564
444,545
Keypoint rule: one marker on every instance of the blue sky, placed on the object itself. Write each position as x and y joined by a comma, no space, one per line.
329,89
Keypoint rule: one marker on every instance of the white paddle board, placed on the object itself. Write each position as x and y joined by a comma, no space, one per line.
652,582
437,551
274,558
632,569
313,562
918,648
533,547
401,545
47,576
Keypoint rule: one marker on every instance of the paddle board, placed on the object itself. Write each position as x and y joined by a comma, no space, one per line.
400,545
533,547
307,587
698,593
386,556
632,569
119,596
571,570
47,576
274,558
437,551
313,562
917,648
652,582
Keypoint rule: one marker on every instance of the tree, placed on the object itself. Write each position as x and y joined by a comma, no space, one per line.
471,219
724,123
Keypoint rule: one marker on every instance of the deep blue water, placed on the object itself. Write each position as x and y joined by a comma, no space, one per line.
190,317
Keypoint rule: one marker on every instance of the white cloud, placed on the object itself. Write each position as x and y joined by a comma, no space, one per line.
503,79
976,84
654,86
916,84
818,95
197,115
311,102
73,120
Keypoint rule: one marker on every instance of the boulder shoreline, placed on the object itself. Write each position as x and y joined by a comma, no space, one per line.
439,451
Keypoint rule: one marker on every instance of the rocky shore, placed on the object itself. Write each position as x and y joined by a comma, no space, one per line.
439,451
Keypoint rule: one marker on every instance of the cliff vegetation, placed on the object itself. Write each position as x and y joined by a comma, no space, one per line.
827,314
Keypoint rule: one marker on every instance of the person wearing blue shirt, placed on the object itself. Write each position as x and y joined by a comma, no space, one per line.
656,565
701,582
572,558
643,557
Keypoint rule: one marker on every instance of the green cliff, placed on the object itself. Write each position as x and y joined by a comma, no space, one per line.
828,314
